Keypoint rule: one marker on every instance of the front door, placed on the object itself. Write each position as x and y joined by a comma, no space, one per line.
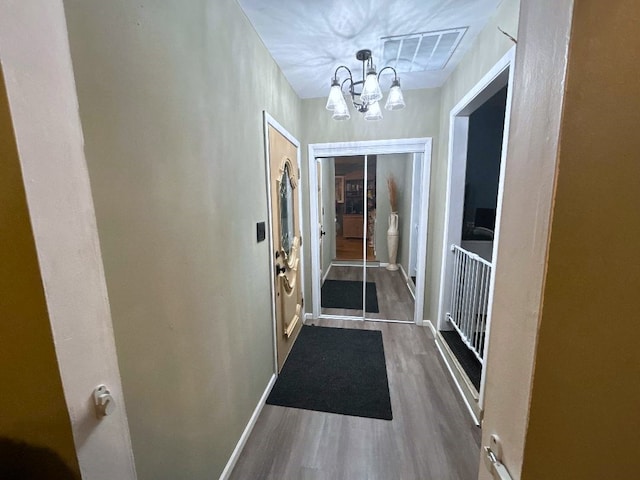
286,240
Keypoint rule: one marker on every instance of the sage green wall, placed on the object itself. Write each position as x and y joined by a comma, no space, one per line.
489,47
420,118
33,409
171,106
386,166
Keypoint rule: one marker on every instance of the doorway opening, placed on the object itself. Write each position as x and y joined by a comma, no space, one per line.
478,143
368,237
351,202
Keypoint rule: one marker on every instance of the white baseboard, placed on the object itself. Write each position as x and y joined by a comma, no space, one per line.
400,267
440,344
247,431
308,316
410,286
429,324
324,277
406,277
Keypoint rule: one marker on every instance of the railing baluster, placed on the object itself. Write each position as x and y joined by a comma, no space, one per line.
484,289
465,296
481,309
455,287
470,282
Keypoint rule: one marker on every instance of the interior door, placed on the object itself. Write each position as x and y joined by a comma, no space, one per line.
286,240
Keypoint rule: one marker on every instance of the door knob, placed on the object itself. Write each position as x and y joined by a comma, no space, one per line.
280,269
322,232
103,400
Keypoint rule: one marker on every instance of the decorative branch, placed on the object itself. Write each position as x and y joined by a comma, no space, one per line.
393,193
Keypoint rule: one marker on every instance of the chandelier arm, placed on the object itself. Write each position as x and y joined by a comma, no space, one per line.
390,68
335,75
356,105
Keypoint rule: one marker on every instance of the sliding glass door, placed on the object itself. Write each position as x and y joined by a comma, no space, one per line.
368,216
387,281
342,220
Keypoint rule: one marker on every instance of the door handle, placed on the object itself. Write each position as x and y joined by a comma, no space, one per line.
322,233
103,401
493,459
280,269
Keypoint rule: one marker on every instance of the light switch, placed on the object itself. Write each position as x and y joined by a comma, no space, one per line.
261,231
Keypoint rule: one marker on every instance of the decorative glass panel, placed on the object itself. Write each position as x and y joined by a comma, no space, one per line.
286,212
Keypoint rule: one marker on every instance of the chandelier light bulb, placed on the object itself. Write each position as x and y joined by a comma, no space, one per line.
373,112
395,99
341,110
335,95
371,90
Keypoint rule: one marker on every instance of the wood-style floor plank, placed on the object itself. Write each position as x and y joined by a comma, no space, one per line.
431,436
351,249
395,301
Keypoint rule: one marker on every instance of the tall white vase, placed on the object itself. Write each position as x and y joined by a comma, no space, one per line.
392,241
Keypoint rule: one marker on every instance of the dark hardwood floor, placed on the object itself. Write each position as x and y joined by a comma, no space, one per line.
351,249
431,436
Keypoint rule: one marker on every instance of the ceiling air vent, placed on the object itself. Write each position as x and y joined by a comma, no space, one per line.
419,52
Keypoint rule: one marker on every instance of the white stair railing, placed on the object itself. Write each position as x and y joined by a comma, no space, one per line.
470,298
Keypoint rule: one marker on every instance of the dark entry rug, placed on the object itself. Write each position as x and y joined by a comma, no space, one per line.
336,370
347,294
468,361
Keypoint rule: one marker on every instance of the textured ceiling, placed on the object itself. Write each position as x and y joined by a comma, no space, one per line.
310,38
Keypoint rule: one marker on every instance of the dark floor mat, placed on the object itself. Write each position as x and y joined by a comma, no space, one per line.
347,294
336,370
470,364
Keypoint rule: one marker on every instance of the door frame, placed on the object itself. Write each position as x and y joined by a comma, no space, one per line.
56,186
320,218
413,254
371,147
268,120
501,74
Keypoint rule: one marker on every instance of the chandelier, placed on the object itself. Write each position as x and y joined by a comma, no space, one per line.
366,100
